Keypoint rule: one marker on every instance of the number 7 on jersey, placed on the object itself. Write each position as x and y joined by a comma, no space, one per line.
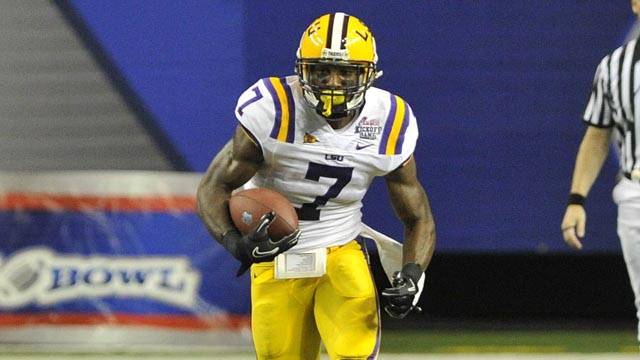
310,211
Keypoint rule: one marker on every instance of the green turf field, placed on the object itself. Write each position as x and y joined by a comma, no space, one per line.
509,341
396,345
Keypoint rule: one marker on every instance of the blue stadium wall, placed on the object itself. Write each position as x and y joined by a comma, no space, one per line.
498,87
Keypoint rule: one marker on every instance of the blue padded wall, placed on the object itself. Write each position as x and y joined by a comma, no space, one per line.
498,88
184,60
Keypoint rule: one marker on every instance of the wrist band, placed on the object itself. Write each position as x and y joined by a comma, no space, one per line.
576,199
413,271
230,241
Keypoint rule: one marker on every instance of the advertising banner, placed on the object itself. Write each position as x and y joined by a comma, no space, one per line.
114,257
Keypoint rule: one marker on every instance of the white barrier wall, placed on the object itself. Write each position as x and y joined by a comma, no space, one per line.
114,257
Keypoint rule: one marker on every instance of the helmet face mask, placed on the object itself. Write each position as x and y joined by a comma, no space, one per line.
335,88
336,64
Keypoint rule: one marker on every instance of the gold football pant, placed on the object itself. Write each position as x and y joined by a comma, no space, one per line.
291,316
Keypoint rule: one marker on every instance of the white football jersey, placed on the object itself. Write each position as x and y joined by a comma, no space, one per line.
323,172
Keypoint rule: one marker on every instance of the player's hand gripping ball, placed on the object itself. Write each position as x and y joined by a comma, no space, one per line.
267,222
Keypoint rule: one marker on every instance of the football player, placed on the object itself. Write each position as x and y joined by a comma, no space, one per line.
320,137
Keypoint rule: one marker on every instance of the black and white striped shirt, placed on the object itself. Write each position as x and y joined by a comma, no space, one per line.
615,102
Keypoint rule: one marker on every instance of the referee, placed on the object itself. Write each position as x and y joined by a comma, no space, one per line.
612,109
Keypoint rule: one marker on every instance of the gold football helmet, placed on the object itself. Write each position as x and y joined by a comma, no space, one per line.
336,64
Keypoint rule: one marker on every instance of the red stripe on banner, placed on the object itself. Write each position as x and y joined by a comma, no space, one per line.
186,322
54,202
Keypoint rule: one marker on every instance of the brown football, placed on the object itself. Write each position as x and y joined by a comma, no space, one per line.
247,206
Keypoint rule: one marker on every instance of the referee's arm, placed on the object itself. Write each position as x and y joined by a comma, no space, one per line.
591,155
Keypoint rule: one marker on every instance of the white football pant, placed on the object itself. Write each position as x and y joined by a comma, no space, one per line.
627,195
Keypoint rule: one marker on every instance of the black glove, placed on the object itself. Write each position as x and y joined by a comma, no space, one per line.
403,289
256,246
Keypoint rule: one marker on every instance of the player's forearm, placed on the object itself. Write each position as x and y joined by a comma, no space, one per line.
214,192
234,165
591,156
419,243
411,204
213,207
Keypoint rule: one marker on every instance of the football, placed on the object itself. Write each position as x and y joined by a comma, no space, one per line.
247,206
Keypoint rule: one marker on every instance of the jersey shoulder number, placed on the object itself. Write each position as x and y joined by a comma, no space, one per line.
267,110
